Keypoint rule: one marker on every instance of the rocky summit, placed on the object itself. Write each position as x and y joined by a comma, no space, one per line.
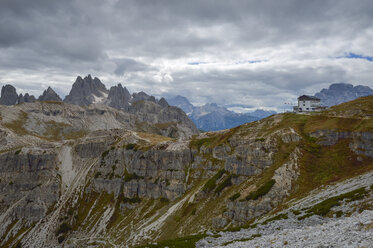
97,176
50,95
86,91
9,95
342,92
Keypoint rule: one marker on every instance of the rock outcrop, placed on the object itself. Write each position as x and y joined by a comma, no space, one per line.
9,95
86,91
50,95
119,97
26,98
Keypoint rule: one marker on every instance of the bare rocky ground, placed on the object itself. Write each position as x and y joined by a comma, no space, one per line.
353,231
354,228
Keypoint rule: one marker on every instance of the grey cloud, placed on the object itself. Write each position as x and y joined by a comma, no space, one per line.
129,65
74,37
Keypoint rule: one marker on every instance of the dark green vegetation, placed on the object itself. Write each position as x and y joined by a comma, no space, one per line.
63,228
243,240
131,146
235,196
214,139
277,217
261,191
184,242
226,183
211,183
324,207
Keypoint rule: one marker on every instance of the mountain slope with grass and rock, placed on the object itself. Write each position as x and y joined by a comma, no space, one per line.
96,176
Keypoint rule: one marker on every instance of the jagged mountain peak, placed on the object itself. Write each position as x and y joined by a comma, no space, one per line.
49,95
26,98
9,95
119,97
181,102
163,103
86,91
342,92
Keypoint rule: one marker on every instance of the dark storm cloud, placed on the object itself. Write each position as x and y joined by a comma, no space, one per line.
148,45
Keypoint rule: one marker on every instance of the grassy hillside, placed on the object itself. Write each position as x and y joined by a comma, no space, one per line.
320,165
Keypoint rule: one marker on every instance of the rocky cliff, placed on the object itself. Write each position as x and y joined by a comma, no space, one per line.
89,176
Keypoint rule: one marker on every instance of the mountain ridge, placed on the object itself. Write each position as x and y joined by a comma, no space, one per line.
211,117
341,92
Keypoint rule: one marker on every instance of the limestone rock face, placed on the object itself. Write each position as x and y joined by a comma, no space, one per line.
360,142
50,95
153,174
29,183
119,97
9,95
86,91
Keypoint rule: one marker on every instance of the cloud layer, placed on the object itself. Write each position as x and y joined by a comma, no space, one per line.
259,53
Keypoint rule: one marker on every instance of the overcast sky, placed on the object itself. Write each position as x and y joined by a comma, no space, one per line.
257,53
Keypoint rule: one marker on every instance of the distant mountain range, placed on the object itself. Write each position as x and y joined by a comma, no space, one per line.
142,108
342,92
211,117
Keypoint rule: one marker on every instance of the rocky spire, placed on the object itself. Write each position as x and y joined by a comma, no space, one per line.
119,97
163,103
50,95
26,98
86,91
9,95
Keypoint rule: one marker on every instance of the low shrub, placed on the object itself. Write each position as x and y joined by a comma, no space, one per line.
211,183
235,196
63,228
104,154
131,147
226,183
261,191
61,239
183,242
324,207
277,217
296,212
128,177
132,200
164,199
